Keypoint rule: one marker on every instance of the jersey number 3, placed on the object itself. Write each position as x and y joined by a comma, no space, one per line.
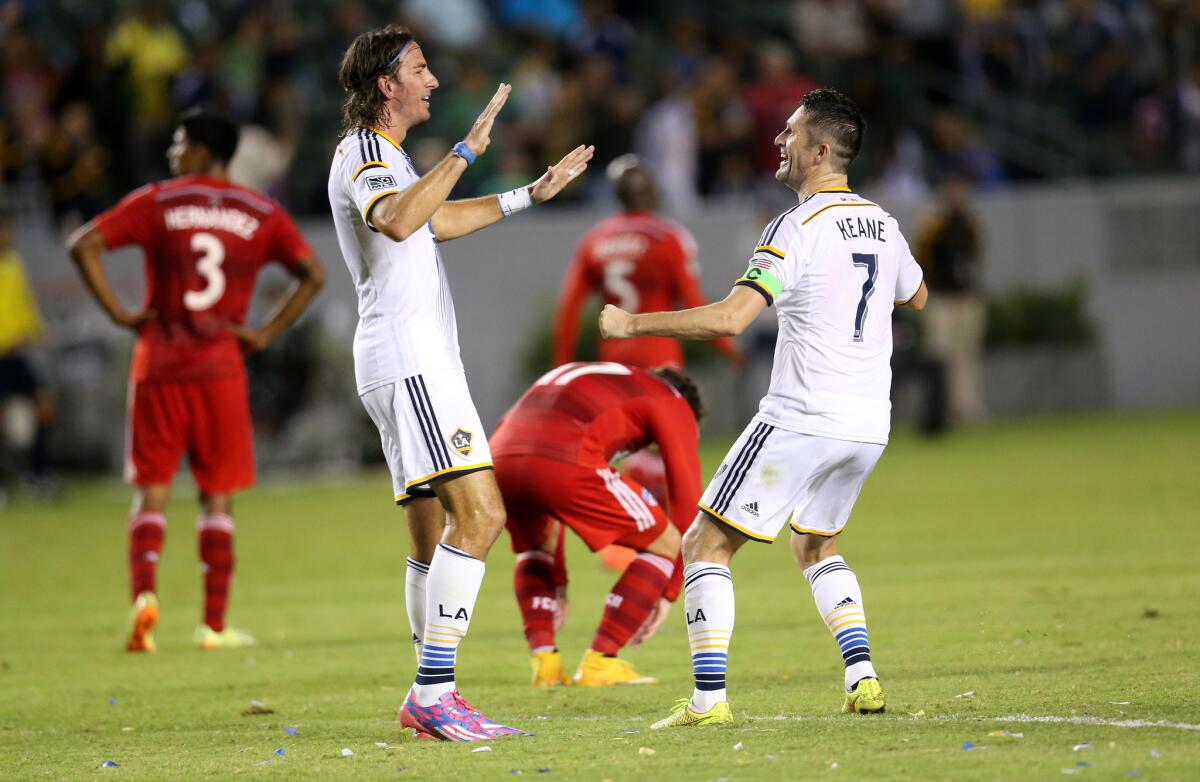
871,264
212,255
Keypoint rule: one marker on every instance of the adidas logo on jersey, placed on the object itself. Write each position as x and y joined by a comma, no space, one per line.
849,601
751,508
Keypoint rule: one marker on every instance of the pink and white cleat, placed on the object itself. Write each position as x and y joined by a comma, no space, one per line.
452,719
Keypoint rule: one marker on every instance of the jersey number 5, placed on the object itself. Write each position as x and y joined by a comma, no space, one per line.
871,264
212,256
617,284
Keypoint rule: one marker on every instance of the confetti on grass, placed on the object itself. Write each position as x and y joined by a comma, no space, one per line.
110,764
347,752
257,707
646,751
482,749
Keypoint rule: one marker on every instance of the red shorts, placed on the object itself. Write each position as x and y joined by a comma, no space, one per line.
208,419
598,503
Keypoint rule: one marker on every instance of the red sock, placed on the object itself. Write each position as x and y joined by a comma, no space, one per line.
146,531
533,581
216,556
631,601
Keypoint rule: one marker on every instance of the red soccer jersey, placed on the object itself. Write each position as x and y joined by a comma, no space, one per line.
592,413
204,240
641,263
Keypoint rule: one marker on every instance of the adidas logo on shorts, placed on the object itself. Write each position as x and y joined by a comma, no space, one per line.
751,508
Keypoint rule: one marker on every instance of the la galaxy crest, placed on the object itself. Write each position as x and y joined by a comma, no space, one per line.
461,441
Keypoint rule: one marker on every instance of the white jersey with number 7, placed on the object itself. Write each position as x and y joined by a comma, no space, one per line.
833,266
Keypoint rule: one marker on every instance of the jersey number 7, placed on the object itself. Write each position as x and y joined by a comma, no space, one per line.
209,266
871,264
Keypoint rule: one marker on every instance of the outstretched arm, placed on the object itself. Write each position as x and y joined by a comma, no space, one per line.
459,218
726,318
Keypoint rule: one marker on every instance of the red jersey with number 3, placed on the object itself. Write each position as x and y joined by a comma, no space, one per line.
641,263
590,413
205,240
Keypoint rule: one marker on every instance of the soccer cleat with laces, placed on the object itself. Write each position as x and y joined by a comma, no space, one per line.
547,669
598,670
452,718
866,698
683,716
142,618
229,638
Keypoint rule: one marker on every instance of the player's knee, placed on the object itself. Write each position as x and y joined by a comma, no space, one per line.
810,549
706,542
667,543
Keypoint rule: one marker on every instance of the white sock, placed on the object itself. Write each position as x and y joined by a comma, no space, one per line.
451,588
708,608
839,602
415,576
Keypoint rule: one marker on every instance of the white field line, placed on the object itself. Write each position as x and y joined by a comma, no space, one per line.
1014,718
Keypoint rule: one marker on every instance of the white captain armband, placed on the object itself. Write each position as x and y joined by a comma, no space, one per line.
515,200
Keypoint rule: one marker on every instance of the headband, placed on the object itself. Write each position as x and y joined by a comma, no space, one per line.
392,62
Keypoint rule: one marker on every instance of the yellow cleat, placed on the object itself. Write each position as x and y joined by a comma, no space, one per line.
548,670
596,670
866,698
142,618
682,716
229,638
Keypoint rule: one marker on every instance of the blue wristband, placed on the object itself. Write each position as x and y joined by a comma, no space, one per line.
463,151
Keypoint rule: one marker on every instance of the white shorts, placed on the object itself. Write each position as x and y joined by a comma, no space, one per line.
771,477
429,430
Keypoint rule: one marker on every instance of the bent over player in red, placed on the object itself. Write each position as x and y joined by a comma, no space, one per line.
204,240
552,453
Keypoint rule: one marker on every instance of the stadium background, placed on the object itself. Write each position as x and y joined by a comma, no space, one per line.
1077,121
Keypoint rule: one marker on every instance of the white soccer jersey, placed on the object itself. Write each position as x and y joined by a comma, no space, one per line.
833,266
406,320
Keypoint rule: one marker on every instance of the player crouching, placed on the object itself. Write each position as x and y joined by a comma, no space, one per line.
552,453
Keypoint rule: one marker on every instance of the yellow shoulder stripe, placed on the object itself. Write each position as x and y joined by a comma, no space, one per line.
769,250
813,216
367,165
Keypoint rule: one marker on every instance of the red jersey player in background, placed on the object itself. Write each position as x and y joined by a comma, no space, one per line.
649,263
638,261
552,452
204,240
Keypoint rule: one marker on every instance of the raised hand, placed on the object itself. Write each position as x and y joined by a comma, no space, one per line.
561,174
480,134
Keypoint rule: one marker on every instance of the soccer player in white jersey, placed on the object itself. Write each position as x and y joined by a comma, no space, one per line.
832,266
390,222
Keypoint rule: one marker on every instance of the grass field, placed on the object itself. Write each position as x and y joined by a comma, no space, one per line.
1030,587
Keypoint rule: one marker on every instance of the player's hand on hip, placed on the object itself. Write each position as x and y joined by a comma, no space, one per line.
652,623
253,340
480,134
132,320
615,322
561,174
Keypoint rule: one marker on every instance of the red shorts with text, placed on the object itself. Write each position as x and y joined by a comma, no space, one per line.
207,419
598,503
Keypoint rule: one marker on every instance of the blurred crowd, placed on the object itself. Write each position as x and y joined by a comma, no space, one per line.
988,90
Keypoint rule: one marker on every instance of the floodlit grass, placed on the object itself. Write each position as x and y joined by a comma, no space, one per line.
1047,567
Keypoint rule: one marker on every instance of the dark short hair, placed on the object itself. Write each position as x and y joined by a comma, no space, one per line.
366,59
687,388
836,121
216,132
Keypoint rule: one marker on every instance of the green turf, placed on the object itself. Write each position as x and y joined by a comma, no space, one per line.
1046,566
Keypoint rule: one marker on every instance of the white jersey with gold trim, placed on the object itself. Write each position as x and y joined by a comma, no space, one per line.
406,314
833,266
